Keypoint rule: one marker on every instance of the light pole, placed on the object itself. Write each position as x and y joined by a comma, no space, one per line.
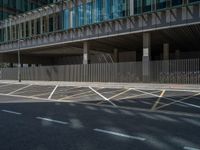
18,52
19,61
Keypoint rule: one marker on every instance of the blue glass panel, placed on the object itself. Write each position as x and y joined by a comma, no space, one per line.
147,5
80,18
176,2
161,4
99,5
108,10
66,19
89,13
137,6
192,1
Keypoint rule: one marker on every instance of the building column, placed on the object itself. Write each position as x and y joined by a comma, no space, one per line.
6,32
30,29
24,30
41,25
116,55
166,51
146,56
47,24
35,27
85,52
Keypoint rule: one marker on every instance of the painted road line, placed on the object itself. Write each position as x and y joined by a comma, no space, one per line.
119,94
120,134
102,96
178,101
51,120
158,100
135,96
171,99
19,89
11,112
53,92
190,148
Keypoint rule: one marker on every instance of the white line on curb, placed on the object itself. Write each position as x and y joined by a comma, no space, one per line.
53,92
102,96
11,112
190,148
51,120
18,89
120,134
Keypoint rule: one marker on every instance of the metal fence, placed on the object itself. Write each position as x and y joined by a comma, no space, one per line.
171,71
106,72
186,71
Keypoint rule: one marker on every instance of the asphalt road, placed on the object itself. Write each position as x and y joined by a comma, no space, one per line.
32,124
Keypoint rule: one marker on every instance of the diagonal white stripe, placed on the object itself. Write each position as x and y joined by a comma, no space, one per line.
11,112
51,120
120,134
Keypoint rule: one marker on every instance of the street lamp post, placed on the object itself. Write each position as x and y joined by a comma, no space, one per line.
19,62
18,52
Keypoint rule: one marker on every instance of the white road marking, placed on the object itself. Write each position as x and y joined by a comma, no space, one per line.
120,134
190,148
174,101
19,89
51,120
53,92
102,96
11,112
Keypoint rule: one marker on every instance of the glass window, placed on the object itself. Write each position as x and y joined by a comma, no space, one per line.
66,19
147,5
161,4
192,1
80,18
177,2
89,13
137,6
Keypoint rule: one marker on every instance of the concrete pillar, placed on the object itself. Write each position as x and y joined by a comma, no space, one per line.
116,55
54,22
6,32
35,27
24,29
85,52
177,54
146,56
166,51
47,23
11,32
41,25
30,29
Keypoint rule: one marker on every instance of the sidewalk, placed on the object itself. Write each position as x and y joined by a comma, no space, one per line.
147,86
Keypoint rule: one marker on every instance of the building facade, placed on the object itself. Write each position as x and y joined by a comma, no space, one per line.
14,7
123,30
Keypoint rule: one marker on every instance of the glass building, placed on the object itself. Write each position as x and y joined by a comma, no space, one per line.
77,13
13,7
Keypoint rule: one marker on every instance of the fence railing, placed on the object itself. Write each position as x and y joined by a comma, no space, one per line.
186,71
171,71
106,72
